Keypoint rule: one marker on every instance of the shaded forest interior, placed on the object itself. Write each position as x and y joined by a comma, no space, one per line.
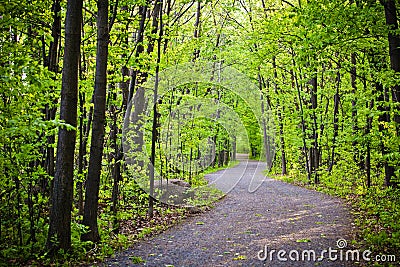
75,75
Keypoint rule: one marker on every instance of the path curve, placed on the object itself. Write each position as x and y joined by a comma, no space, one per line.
277,215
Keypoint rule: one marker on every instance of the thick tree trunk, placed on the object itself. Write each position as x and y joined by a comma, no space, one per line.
394,52
96,147
59,235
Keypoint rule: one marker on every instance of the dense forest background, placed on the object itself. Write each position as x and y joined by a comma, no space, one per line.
328,71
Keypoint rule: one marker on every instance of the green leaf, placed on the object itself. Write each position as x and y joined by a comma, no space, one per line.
303,240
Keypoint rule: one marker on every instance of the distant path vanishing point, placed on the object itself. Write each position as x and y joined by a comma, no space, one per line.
236,232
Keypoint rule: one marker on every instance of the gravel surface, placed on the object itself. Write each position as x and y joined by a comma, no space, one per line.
277,215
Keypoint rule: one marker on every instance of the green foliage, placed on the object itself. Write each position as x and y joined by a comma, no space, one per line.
246,35
137,259
378,214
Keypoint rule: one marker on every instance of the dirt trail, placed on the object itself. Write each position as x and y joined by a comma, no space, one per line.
276,215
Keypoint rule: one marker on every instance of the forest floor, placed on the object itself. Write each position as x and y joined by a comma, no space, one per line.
242,225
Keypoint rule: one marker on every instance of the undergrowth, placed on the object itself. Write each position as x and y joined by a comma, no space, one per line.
118,231
376,210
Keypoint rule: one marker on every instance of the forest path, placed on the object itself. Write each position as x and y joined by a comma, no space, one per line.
277,215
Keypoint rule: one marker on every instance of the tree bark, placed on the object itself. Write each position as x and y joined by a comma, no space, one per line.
303,124
368,156
138,77
196,34
314,151
157,20
336,101
280,124
96,146
51,63
82,162
59,235
139,48
353,77
394,53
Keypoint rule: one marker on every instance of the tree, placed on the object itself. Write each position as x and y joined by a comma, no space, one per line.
96,147
157,20
394,53
59,236
52,63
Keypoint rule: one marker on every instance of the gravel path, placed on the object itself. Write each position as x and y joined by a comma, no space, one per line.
276,215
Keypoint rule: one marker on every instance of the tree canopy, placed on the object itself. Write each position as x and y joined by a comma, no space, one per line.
325,74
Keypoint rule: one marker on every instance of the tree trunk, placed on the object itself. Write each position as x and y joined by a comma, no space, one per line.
82,163
197,24
50,111
196,34
139,48
353,76
154,137
280,119
99,114
303,124
115,158
314,151
394,52
336,101
384,118
59,235
368,156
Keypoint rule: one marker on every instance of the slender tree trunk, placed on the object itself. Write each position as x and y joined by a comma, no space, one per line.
50,111
155,113
139,48
303,124
314,151
353,77
368,156
59,235
280,119
96,146
82,151
139,76
196,34
336,101
116,157
264,125
384,118
169,8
